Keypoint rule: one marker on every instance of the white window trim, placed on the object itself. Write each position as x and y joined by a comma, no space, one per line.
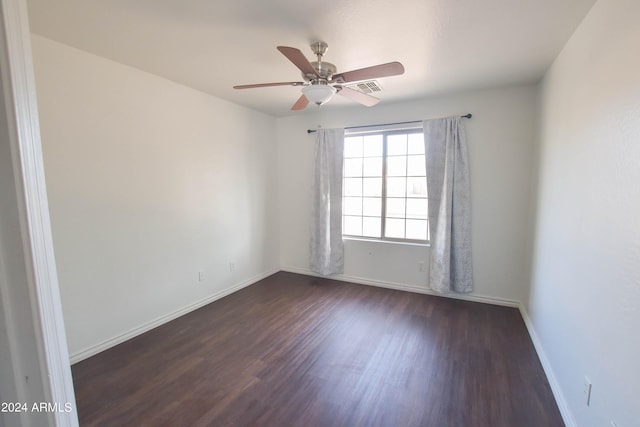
397,128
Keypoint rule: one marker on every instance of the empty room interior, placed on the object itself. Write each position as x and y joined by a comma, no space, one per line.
193,213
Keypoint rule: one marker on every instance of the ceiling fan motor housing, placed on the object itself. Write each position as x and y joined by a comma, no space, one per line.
325,71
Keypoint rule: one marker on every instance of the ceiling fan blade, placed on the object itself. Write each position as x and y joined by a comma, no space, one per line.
370,73
357,96
268,85
301,103
299,60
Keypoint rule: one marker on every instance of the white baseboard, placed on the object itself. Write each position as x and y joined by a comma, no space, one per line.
102,346
408,288
546,365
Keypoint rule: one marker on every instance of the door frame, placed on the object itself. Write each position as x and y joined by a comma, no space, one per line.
39,268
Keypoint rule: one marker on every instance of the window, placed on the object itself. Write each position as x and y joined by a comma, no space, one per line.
385,186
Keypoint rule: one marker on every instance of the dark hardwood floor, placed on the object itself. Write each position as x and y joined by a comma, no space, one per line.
293,350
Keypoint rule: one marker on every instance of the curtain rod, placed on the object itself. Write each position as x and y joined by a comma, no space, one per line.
466,116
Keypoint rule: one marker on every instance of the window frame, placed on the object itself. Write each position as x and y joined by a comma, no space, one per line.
385,132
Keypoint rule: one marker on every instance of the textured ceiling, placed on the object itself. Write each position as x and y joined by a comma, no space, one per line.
209,45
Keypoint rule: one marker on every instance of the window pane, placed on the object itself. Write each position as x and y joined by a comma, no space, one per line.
397,166
352,186
372,166
401,158
416,229
353,146
417,208
352,167
417,187
352,206
397,145
416,165
372,187
352,225
416,143
371,227
395,208
372,145
396,187
394,228
372,206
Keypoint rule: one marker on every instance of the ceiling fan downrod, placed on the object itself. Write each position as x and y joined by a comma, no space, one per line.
319,48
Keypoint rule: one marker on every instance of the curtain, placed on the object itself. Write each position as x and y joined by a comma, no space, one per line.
327,250
449,193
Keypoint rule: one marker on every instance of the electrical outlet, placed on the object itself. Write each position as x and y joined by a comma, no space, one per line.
232,266
200,276
421,266
587,391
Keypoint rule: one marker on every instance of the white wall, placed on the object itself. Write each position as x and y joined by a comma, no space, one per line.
584,303
501,138
149,182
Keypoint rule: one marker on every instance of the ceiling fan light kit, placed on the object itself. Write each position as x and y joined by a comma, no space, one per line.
321,81
318,94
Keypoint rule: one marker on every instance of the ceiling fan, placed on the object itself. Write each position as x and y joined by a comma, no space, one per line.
321,81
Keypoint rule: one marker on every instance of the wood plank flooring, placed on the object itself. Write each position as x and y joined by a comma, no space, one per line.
293,350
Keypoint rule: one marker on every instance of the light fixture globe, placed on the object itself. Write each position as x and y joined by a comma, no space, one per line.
318,93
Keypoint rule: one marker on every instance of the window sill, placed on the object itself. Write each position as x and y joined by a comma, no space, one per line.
391,242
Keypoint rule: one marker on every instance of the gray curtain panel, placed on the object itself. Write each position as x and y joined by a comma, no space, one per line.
326,247
449,193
